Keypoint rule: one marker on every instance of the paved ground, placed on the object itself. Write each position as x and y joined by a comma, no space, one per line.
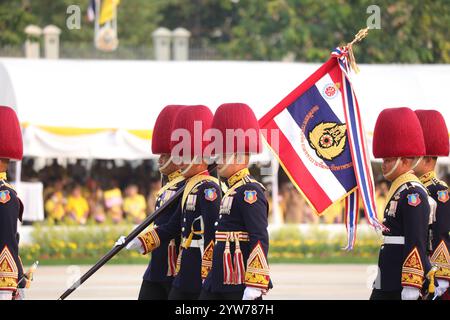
291,281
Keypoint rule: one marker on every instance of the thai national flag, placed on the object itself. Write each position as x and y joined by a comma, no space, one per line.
320,145
91,11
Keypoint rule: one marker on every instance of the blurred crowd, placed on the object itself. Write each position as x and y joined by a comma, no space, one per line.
112,191
100,191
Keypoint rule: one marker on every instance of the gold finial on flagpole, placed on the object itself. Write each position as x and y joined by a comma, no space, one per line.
351,57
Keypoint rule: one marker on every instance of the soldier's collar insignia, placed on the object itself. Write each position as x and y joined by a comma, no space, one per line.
443,196
238,176
4,196
174,175
413,199
210,194
427,177
250,196
3,176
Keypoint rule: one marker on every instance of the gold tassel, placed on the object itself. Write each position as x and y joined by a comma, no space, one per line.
430,276
187,243
351,57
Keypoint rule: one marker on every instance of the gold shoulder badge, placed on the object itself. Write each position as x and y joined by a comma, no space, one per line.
328,139
412,271
250,196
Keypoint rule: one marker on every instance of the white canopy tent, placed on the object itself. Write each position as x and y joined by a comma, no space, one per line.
62,103
105,109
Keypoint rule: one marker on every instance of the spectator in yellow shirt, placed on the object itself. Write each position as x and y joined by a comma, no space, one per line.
54,206
335,213
77,206
113,204
134,205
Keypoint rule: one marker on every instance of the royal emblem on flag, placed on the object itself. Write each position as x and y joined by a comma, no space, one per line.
443,196
4,196
328,140
413,199
250,196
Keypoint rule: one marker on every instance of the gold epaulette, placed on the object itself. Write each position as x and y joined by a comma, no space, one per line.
251,180
8,185
400,181
170,184
430,178
441,182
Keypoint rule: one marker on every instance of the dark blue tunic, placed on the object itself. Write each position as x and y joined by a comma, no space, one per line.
10,212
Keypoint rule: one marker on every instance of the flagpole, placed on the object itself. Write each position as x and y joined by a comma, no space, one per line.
362,33
97,22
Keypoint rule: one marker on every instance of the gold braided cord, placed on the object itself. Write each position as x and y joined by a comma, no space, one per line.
358,38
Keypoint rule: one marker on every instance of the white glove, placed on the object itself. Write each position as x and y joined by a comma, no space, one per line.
5,295
134,244
442,287
251,293
20,294
410,293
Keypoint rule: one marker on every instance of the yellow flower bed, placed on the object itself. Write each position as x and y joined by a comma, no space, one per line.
92,242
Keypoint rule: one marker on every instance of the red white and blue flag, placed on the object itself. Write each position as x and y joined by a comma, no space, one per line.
321,145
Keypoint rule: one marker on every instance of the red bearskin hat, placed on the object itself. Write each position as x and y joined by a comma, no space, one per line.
435,132
398,134
11,145
196,120
243,129
163,129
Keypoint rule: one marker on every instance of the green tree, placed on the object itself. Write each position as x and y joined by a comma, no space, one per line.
14,17
412,31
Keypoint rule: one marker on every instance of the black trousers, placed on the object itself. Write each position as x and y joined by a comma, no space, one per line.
177,294
154,290
378,294
206,295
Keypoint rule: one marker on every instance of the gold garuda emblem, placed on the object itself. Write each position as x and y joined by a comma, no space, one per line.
328,139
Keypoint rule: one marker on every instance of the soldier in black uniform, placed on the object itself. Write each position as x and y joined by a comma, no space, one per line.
235,265
437,145
11,209
158,277
403,262
196,213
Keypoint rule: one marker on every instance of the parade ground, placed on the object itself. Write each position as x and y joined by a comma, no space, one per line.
291,282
